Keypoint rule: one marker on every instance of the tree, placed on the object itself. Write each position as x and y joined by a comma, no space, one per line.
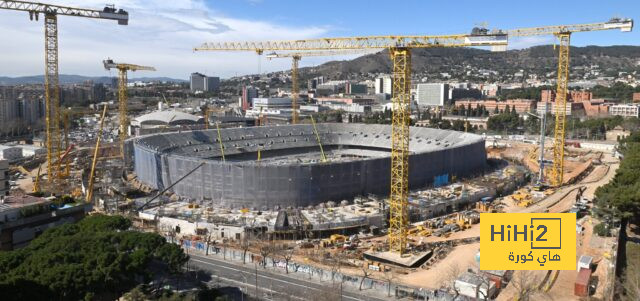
244,246
495,110
286,254
98,257
389,275
266,248
620,198
365,274
526,284
458,125
631,275
448,278
208,239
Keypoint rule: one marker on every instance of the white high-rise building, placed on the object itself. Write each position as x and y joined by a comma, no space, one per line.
383,85
432,94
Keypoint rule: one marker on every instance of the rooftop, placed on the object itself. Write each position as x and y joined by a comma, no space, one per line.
13,202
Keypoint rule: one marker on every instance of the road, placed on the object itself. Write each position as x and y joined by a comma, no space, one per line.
272,286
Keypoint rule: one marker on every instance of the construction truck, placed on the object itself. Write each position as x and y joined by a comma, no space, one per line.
522,198
337,238
540,186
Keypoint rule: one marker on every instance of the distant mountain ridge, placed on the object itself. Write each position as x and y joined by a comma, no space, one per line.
75,79
534,60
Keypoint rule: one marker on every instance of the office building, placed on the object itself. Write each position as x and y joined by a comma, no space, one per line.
248,94
383,85
202,83
490,90
571,109
98,93
345,100
432,94
461,93
352,88
625,110
313,83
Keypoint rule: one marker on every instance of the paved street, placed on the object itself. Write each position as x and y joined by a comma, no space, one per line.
272,286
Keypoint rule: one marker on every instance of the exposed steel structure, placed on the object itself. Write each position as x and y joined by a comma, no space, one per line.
400,51
95,157
123,68
51,80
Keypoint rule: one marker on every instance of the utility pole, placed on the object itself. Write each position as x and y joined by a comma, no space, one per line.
256,266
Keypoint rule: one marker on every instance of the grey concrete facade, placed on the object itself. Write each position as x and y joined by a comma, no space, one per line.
161,159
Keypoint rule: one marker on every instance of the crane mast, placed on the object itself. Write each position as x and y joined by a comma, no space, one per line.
400,52
294,88
51,79
400,120
123,111
95,157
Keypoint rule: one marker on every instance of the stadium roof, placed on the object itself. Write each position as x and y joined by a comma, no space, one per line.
166,117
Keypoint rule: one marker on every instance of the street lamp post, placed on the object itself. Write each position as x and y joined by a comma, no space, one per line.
246,286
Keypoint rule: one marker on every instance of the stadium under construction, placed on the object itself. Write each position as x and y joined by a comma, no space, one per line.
267,168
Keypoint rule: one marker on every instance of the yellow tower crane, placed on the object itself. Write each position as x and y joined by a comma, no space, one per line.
51,82
400,52
123,68
95,158
295,60
563,33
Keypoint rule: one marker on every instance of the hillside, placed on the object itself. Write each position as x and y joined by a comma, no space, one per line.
538,60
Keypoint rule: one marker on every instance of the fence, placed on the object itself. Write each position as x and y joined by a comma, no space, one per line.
315,273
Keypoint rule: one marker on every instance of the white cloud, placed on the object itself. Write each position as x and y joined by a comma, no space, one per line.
526,42
160,34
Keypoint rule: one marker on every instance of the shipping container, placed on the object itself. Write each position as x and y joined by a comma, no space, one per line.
582,283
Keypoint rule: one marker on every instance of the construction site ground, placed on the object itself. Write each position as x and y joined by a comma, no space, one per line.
461,257
576,160
587,244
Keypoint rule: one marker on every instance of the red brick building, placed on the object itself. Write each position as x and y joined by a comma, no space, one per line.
572,95
547,96
596,108
636,97
521,105
579,96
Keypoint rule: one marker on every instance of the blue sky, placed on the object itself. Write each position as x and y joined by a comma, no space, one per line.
362,17
161,33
